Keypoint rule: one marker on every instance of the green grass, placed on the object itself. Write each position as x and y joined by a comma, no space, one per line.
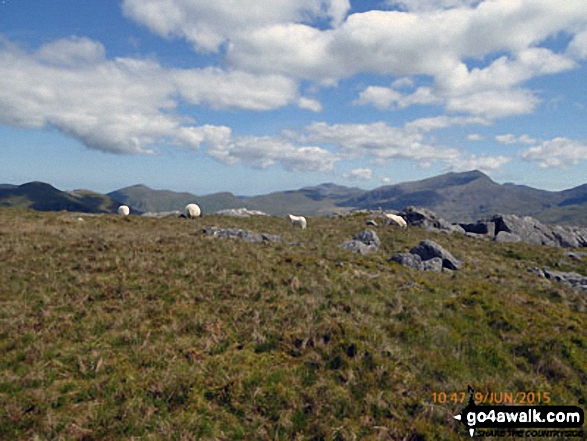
137,328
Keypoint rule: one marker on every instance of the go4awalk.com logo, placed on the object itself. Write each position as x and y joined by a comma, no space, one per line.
562,421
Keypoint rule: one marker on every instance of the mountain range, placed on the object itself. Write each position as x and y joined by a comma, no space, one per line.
463,197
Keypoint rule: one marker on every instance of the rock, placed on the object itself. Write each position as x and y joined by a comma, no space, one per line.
415,261
356,246
240,212
565,237
577,256
364,242
372,222
434,264
505,237
162,214
270,237
235,233
421,217
428,249
532,231
537,272
477,236
368,237
407,259
572,279
480,227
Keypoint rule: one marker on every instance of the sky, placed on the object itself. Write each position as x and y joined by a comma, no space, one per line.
269,95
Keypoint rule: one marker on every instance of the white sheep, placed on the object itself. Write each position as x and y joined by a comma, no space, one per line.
298,220
123,210
192,211
396,220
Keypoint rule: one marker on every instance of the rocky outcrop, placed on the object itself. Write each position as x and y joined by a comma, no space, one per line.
572,279
234,233
364,242
421,217
502,228
480,227
240,212
428,249
428,256
530,230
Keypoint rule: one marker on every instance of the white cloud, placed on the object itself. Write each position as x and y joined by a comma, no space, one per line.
359,174
209,23
220,89
430,5
475,137
492,91
509,139
495,104
262,152
557,153
444,121
431,38
310,104
578,47
481,162
380,97
123,105
377,140
71,52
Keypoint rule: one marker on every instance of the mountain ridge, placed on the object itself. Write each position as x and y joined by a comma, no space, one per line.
457,197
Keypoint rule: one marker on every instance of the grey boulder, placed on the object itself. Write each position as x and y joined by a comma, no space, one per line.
428,249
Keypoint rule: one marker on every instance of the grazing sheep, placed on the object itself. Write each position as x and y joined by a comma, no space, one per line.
396,220
192,211
297,220
123,210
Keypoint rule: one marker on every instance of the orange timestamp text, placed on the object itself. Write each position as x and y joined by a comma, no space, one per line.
493,397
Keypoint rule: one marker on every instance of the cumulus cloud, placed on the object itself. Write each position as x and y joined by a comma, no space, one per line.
359,174
209,23
310,104
262,152
431,38
493,91
220,89
557,153
123,105
482,162
578,47
444,121
495,104
377,140
509,139
475,137
430,5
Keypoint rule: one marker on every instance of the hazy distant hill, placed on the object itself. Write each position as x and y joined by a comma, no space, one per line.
472,195
316,200
461,197
44,197
143,198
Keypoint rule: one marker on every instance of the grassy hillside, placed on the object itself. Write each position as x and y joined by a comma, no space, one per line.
137,328
44,197
143,198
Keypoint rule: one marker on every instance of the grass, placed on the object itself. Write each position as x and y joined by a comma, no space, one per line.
137,328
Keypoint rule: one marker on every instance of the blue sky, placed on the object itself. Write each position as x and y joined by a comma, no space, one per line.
210,95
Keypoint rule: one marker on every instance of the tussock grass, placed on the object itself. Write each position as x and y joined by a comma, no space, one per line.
138,328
